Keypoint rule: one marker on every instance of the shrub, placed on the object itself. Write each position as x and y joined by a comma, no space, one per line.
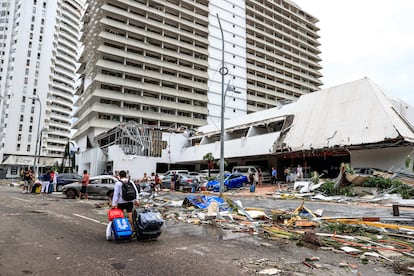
328,188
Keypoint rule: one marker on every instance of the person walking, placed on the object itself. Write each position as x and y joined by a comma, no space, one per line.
26,179
173,180
177,179
274,175
46,182
299,172
145,183
32,180
118,200
84,188
251,180
157,183
53,181
288,177
260,177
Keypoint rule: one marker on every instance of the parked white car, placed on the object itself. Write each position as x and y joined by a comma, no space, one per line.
213,172
247,170
171,172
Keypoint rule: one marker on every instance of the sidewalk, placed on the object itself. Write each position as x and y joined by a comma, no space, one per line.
263,190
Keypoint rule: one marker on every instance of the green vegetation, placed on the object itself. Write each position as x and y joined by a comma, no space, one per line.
328,188
391,186
383,184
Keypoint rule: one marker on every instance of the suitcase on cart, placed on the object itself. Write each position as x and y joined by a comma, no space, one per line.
118,228
147,224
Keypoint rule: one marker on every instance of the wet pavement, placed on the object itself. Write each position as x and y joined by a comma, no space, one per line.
186,242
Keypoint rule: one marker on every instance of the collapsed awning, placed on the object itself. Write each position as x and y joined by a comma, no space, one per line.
18,160
15,160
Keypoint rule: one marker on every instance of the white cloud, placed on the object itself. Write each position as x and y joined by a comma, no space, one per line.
370,38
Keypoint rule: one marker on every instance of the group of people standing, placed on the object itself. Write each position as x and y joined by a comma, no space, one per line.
292,174
149,183
47,181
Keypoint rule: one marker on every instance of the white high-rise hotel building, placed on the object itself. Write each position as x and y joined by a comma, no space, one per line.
39,47
157,62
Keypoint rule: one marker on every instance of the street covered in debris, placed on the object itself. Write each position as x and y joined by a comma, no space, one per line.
375,227
275,230
371,236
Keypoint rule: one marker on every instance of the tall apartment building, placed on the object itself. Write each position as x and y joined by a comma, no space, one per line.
158,62
39,42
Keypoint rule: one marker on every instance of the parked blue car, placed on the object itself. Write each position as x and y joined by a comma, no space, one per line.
231,181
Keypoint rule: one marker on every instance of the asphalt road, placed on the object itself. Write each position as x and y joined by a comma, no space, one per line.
52,235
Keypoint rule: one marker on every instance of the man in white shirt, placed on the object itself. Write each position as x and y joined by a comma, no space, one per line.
119,202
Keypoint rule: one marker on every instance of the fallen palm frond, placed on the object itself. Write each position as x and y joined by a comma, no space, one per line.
277,232
373,224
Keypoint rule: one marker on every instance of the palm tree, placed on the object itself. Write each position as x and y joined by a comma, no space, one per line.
66,155
210,162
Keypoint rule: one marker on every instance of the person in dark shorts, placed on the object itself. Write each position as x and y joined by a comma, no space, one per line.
85,182
119,202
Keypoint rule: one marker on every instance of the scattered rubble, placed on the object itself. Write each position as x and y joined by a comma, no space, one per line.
371,239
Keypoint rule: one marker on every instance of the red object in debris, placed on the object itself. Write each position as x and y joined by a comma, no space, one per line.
115,213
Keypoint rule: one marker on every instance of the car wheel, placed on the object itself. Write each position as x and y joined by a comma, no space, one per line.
71,193
59,188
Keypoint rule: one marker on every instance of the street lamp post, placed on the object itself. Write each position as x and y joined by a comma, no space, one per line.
223,71
37,147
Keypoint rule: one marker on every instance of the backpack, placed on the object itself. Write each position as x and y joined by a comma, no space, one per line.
128,191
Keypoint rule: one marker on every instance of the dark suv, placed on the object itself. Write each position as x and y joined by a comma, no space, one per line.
66,178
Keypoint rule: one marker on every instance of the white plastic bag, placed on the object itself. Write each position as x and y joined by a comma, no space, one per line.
109,231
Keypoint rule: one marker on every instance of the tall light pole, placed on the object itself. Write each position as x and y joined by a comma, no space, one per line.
223,71
37,147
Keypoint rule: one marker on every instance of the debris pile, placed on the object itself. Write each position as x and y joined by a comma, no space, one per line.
368,238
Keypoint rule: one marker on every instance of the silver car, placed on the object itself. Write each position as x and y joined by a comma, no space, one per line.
185,182
101,185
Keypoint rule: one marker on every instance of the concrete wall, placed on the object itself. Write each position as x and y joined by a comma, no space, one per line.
136,165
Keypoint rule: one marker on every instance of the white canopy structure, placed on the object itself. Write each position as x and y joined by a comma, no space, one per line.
353,115
356,113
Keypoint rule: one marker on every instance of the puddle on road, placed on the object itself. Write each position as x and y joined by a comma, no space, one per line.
206,231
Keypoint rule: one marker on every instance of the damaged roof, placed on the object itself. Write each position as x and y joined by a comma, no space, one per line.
354,113
350,115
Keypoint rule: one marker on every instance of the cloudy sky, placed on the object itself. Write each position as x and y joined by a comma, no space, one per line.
369,38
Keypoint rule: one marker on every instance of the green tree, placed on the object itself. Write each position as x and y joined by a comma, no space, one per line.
66,155
210,162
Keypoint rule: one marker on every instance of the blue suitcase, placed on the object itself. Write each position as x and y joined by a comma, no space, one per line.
121,229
